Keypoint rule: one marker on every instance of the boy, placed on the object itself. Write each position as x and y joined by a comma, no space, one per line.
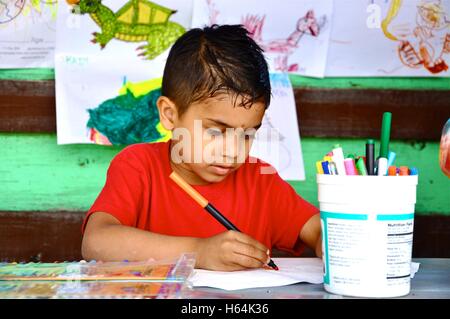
214,94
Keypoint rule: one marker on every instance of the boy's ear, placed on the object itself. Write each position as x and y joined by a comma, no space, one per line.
168,113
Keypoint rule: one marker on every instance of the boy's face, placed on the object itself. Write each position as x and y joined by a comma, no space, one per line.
213,138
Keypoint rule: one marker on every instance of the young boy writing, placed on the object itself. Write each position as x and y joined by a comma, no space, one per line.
215,91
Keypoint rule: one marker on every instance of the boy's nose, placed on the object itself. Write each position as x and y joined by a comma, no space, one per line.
234,146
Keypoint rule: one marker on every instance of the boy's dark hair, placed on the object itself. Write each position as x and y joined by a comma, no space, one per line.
212,60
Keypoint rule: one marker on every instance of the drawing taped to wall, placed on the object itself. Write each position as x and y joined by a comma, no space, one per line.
427,41
27,33
390,38
294,35
94,103
135,21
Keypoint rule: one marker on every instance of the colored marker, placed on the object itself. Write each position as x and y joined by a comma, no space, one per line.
325,168
370,157
319,167
332,168
413,171
391,158
350,168
404,171
361,166
384,143
208,206
338,159
327,158
363,158
392,171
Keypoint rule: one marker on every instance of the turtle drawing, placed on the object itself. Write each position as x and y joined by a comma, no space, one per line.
136,21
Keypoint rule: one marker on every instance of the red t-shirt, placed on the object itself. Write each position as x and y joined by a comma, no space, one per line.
139,193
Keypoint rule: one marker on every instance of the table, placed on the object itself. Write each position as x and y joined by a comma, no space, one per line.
432,281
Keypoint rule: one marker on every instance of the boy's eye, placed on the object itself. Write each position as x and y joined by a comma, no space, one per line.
214,132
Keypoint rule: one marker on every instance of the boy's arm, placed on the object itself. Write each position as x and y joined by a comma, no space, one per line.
311,234
106,239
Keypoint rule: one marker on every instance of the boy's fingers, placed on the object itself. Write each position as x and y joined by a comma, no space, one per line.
250,251
245,239
246,261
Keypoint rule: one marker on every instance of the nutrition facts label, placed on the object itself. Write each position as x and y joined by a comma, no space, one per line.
399,249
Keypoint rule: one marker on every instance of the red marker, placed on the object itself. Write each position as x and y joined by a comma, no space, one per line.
404,171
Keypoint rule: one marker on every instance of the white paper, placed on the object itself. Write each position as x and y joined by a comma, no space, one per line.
278,139
87,75
364,41
27,33
291,41
291,271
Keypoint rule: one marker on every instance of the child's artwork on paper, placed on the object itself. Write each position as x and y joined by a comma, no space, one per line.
278,139
27,33
109,60
293,34
136,21
390,38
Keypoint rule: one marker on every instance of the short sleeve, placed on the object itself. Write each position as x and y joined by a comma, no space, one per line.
122,193
289,213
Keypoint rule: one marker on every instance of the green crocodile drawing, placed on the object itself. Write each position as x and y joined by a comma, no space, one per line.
136,21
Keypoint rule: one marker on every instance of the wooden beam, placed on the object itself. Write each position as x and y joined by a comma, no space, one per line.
56,236
40,236
29,106
416,114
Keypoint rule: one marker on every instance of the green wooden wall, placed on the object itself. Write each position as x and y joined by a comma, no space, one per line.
38,175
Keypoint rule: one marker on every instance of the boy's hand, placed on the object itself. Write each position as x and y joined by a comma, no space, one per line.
230,251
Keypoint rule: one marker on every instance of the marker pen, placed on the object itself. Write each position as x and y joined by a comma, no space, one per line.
413,171
361,166
384,144
392,171
338,159
332,168
391,158
382,166
370,157
319,167
404,171
350,168
325,168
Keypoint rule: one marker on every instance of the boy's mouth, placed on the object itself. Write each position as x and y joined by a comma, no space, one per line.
222,169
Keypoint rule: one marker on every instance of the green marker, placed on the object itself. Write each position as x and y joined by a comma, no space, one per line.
385,134
384,143
361,167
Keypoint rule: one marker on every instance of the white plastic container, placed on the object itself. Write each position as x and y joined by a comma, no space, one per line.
367,231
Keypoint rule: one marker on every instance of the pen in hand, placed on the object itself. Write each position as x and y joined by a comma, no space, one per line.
208,207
